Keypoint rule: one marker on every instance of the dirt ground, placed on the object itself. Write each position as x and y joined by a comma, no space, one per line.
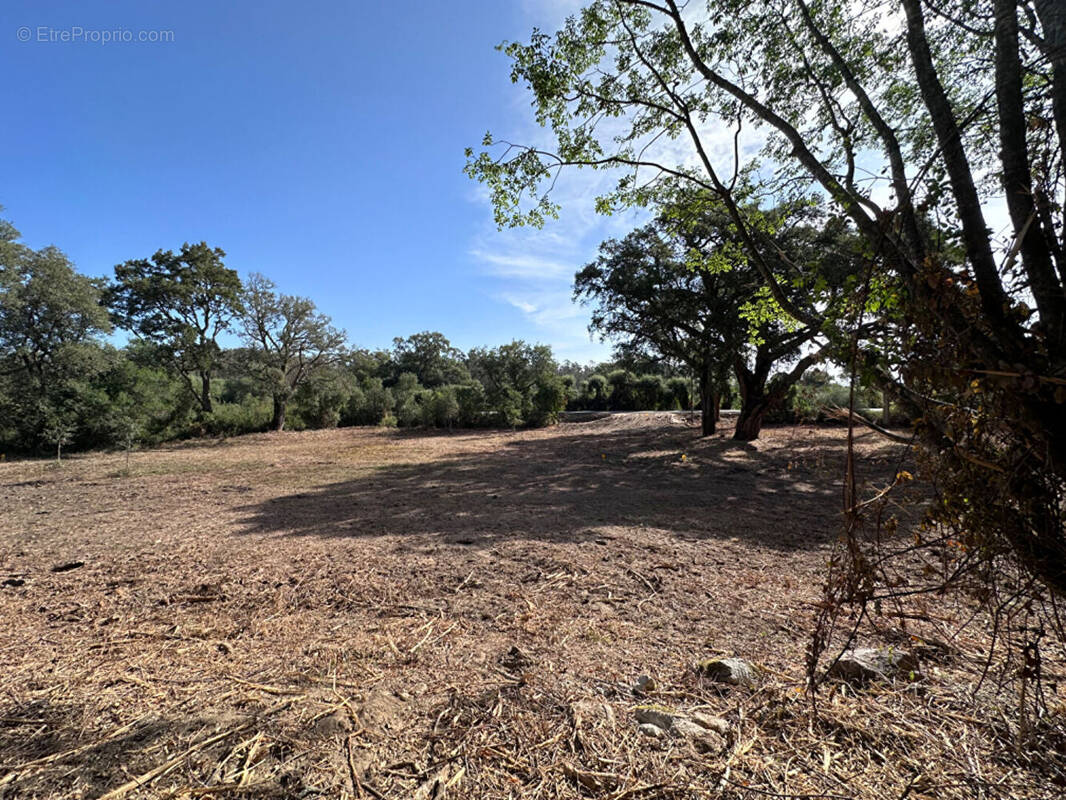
375,613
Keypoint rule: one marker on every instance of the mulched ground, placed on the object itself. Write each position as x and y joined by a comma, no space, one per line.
374,613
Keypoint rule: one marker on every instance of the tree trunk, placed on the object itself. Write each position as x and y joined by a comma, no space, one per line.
708,423
278,423
205,392
755,401
749,423
753,406
708,404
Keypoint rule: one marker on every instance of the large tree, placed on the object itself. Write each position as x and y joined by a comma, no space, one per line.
288,341
182,302
520,382
430,357
894,113
646,294
682,287
51,319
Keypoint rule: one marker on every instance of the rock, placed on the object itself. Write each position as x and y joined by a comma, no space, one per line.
733,671
716,724
687,728
67,567
874,663
657,716
678,725
644,685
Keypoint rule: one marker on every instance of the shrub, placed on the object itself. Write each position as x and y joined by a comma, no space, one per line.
440,408
251,415
596,393
548,400
649,392
623,385
368,404
677,394
471,399
408,412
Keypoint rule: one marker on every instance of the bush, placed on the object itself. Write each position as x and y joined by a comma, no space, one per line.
548,400
369,404
440,408
649,393
677,394
408,412
251,415
596,393
321,402
623,388
471,399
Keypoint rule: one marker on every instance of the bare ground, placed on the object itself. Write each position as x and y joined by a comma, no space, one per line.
372,613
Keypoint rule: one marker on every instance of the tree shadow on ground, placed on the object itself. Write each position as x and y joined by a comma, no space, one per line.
45,751
569,486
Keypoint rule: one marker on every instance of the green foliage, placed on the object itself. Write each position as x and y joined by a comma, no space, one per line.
513,375
322,399
180,302
623,390
472,404
440,407
650,392
61,386
51,319
370,403
408,411
251,415
677,393
290,350
549,399
430,357
596,393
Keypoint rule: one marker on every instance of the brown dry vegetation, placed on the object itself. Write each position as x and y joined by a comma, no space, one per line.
333,614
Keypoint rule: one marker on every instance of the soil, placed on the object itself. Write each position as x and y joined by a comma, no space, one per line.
379,613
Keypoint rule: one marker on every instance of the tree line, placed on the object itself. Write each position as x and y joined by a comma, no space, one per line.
63,385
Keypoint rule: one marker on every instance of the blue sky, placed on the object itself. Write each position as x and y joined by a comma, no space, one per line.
320,143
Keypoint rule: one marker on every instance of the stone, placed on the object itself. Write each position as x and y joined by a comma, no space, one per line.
687,728
655,715
716,724
732,671
644,685
657,721
863,664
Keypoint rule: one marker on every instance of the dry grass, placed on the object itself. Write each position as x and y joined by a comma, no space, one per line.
330,613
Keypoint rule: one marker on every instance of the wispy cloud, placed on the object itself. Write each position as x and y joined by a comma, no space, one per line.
528,267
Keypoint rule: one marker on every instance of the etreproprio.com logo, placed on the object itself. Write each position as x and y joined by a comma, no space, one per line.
75,34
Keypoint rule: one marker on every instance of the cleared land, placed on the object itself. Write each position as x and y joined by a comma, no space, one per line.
375,613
